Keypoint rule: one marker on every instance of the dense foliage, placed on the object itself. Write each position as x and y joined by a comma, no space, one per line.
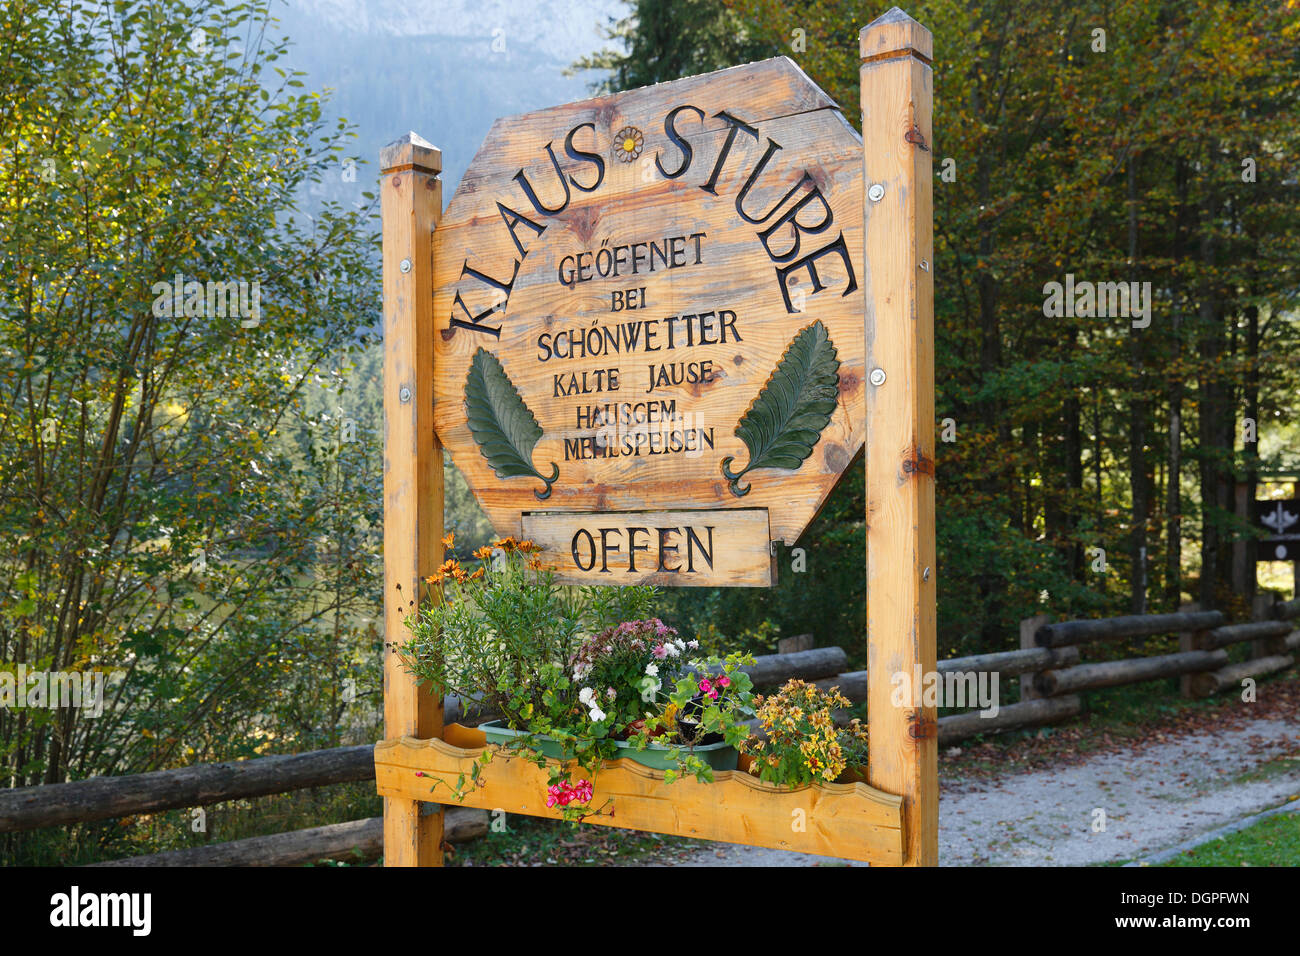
185,501
1116,142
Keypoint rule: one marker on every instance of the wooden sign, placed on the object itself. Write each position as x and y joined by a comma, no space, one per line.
646,330
653,302
1279,519
673,548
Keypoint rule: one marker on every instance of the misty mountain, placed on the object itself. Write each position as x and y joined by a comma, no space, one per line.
443,68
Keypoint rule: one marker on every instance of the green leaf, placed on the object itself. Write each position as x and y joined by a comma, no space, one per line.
506,431
785,421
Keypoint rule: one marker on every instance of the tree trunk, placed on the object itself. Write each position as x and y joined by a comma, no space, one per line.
1139,414
1250,440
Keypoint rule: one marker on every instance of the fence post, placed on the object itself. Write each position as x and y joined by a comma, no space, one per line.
1188,686
1027,629
411,204
896,134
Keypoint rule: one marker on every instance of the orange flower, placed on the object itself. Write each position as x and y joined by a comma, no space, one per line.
484,552
449,539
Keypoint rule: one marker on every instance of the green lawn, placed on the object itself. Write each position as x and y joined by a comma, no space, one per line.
1271,842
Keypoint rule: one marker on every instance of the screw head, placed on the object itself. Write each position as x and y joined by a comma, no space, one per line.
405,265
925,575
877,376
404,395
925,265
876,192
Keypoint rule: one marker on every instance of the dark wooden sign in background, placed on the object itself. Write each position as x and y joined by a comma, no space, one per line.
1279,519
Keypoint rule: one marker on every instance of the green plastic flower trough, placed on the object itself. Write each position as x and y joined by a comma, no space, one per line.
719,756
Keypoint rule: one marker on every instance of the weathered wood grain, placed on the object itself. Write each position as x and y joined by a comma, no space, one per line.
1250,631
356,839
673,548
1115,673
103,798
1026,713
1230,677
636,202
1121,628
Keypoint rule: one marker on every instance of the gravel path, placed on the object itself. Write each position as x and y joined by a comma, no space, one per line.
1153,797
1166,793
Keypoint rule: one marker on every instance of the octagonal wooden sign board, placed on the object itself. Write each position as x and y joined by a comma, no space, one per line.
649,309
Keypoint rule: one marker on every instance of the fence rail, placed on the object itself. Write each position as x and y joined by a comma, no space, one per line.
102,798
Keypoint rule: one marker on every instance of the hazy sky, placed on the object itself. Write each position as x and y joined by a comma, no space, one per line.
444,68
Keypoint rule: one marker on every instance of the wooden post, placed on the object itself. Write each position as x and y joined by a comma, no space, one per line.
411,203
1188,686
896,133
1028,628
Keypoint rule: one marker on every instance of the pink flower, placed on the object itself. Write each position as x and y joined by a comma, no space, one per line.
660,651
706,687
419,773
724,681
565,793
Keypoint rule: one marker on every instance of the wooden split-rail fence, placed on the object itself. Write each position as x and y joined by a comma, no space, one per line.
1049,668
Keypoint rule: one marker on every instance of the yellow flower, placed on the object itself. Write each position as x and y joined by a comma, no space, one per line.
627,144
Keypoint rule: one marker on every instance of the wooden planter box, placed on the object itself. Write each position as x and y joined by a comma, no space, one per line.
850,820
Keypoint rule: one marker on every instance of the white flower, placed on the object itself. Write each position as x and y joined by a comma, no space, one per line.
672,650
681,645
610,693
587,696
652,669
693,645
596,715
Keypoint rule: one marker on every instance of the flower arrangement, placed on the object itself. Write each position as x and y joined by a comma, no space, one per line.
708,704
803,745
623,667
578,672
